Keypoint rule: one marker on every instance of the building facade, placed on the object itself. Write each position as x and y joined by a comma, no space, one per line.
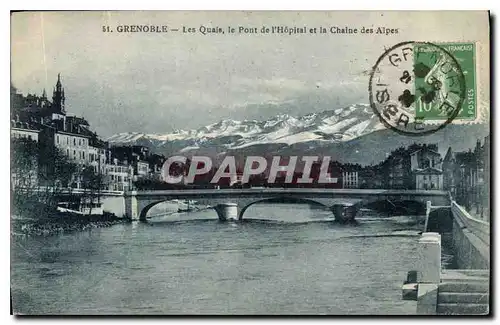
136,156
119,176
24,130
429,179
425,157
395,171
467,176
141,170
74,145
426,166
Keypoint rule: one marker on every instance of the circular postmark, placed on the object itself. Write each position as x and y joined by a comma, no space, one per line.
416,88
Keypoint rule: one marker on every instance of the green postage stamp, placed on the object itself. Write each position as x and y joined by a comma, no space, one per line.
429,62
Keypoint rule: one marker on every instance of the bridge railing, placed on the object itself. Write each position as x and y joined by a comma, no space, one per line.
340,191
67,190
478,227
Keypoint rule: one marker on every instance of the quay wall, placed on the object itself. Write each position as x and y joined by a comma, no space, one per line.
471,239
114,204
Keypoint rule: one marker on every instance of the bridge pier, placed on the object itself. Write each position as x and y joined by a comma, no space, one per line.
227,211
344,213
131,209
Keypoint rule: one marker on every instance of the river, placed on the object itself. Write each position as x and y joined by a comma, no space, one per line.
284,259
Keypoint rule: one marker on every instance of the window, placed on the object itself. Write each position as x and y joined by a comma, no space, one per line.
29,137
58,139
79,142
83,154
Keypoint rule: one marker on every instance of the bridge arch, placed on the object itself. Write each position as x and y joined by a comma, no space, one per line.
144,210
279,199
144,207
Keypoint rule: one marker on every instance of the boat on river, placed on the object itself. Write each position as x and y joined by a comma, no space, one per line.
82,208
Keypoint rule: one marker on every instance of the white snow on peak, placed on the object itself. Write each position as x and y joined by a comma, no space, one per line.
340,124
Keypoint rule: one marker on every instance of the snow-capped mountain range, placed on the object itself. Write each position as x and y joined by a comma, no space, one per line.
350,134
335,125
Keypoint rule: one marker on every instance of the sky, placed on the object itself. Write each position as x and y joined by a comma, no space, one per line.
160,82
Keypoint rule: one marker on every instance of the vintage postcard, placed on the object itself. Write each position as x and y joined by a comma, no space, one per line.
250,163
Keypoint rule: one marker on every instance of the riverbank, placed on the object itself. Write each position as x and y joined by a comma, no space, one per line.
59,222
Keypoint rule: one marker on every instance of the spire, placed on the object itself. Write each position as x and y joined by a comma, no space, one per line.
478,145
58,98
44,94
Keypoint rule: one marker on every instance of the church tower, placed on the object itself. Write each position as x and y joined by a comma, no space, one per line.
58,97
43,100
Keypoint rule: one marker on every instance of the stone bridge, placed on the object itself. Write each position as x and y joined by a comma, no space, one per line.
232,203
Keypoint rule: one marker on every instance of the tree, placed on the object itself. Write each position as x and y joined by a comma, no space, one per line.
39,173
92,182
24,166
